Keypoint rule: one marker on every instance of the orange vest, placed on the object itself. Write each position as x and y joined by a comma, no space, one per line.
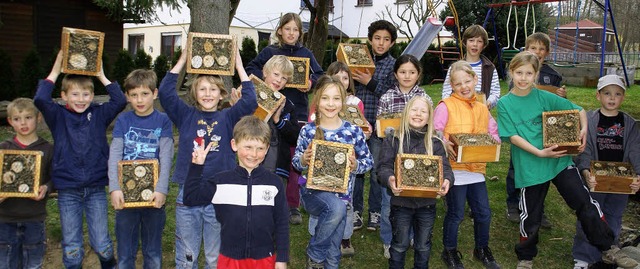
466,116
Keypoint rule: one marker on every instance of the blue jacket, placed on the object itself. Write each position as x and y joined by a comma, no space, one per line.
252,209
197,127
80,144
299,99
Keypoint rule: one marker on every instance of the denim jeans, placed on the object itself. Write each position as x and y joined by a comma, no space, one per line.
375,198
476,195
73,204
146,225
385,223
193,225
331,213
402,220
348,227
22,244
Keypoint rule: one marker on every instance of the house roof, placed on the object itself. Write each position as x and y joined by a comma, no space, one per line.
583,24
333,32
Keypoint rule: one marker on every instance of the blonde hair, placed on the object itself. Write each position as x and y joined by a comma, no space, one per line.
323,83
475,31
403,133
337,67
251,127
522,59
460,66
537,38
280,63
194,81
140,78
80,81
21,104
286,18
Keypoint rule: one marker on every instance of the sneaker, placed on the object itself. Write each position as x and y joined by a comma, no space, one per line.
346,248
615,256
374,221
314,265
580,264
357,220
295,217
525,264
513,213
545,223
452,258
386,253
486,257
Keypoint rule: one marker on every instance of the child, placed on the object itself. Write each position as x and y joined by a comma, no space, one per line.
330,208
289,34
264,218
140,134
382,36
79,169
613,137
538,44
22,220
519,117
475,39
463,113
415,136
199,125
408,73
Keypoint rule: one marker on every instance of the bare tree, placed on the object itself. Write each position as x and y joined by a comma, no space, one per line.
414,12
316,36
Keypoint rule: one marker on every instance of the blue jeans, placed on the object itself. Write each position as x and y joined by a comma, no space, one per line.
477,197
612,206
194,224
385,223
73,204
375,198
402,220
348,227
145,224
22,244
331,212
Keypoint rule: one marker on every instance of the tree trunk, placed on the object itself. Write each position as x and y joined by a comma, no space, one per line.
318,29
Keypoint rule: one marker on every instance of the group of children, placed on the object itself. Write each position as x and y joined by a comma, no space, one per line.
242,210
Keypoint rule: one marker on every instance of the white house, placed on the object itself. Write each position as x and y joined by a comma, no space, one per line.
257,19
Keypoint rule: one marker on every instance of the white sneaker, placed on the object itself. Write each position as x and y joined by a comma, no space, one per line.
580,264
386,251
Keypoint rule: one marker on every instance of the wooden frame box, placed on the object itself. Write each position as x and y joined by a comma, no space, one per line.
481,97
20,173
300,79
549,88
268,99
418,175
353,115
82,51
356,56
329,166
138,179
562,128
383,121
475,148
613,177
211,54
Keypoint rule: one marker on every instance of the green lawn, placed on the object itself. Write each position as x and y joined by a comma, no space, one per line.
554,247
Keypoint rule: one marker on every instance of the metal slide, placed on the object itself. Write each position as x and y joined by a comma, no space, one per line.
420,43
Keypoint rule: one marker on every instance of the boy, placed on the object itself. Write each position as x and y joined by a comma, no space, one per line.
538,44
613,137
475,39
382,36
143,133
255,228
22,220
79,172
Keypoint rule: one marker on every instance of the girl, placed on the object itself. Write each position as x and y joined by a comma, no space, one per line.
200,125
520,118
414,136
329,208
408,72
462,113
289,32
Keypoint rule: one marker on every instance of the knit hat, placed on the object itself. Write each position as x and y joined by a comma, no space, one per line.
611,80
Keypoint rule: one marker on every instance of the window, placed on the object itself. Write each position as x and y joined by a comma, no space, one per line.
136,42
170,43
364,3
313,2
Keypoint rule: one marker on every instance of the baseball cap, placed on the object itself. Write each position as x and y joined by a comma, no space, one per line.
611,80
